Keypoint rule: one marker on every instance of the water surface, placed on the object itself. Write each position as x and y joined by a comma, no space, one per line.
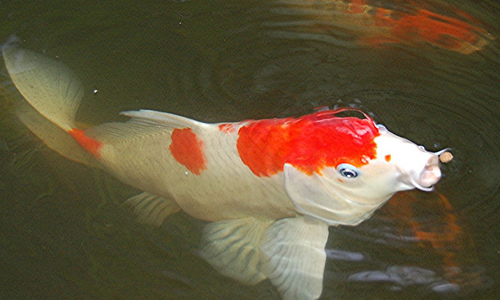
64,232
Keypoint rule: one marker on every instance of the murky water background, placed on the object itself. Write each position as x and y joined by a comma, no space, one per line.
65,234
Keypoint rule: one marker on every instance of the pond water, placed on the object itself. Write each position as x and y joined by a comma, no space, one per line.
428,70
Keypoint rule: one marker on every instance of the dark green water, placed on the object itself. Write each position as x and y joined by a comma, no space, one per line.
64,233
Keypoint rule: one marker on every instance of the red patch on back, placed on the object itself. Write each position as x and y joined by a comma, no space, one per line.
227,128
186,149
388,158
90,145
309,143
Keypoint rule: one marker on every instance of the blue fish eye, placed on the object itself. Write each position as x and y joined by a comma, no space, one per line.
347,170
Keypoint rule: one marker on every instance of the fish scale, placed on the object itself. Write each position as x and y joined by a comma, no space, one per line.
226,181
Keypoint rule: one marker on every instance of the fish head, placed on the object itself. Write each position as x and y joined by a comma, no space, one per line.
349,192
399,165
404,164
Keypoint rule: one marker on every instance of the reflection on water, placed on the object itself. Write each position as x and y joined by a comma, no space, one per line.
431,252
374,23
64,232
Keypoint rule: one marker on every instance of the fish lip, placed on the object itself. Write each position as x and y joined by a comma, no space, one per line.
428,176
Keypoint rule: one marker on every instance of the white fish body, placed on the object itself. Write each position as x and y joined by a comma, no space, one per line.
270,187
224,189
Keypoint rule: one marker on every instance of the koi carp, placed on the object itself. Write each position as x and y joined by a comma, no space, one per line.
377,23
269,188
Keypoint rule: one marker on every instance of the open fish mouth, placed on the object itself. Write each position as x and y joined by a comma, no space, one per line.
429,175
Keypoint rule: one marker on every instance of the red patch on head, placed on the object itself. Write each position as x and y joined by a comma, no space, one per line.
90,145
186,149
388,158
309,143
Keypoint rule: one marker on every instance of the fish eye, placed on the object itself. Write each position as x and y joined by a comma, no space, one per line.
348,170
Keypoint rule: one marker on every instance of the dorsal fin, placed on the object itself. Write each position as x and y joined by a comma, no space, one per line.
142,123
164,119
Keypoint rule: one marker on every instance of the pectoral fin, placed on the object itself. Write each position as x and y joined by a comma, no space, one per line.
152,209
232,247
293,256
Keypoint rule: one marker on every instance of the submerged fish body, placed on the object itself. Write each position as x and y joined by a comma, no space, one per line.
270,187
423,25
378,23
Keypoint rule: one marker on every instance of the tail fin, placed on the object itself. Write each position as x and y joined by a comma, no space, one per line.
54,93
48,85
52,136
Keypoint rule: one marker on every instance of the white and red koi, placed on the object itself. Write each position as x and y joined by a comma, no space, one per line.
270,187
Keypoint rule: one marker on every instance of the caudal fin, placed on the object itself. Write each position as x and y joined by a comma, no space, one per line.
52,136
48,85
54,93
